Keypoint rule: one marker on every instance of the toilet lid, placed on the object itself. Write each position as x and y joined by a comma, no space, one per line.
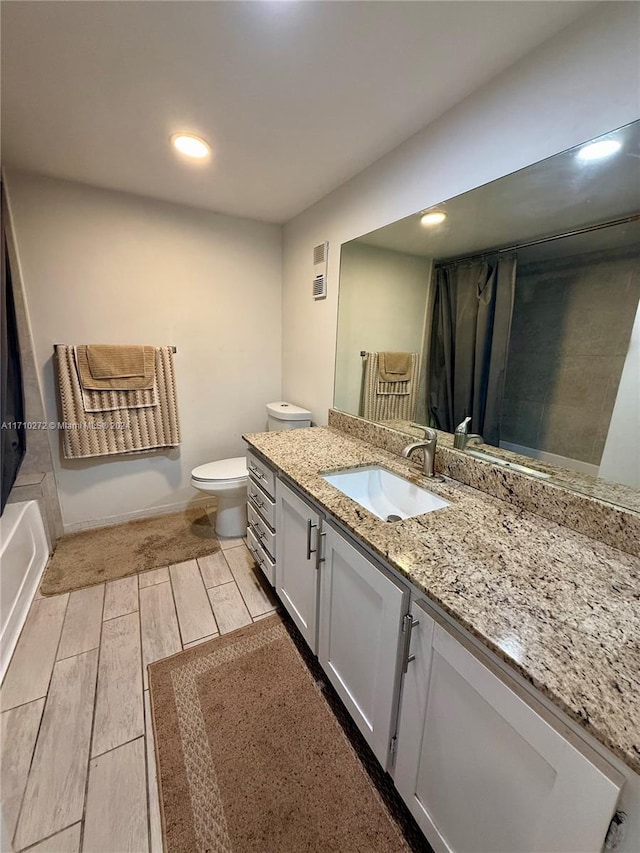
223,469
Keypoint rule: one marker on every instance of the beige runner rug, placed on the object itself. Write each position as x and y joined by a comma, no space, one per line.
251,758
107,553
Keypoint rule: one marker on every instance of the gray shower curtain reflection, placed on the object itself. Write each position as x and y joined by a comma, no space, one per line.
471,326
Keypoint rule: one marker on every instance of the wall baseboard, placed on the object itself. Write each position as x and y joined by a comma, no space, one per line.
139,513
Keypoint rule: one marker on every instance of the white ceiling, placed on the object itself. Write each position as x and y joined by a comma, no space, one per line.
295,97
555,196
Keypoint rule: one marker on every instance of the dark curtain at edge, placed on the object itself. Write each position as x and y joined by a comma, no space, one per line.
441,352
12,438
471,327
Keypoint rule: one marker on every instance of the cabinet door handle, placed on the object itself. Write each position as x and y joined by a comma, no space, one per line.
256,471
310,550
256,500
319,550
408,624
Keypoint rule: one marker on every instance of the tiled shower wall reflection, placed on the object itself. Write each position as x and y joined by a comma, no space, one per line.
570,335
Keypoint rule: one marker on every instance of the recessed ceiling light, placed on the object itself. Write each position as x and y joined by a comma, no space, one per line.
190,145
600,149
436,217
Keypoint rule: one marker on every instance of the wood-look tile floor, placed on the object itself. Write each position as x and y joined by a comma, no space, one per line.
77,755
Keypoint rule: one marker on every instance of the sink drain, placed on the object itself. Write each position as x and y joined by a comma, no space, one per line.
394,518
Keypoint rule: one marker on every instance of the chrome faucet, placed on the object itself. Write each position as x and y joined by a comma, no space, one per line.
462,437
429,447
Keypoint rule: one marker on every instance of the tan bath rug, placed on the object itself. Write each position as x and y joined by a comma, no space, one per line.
251,758
108,553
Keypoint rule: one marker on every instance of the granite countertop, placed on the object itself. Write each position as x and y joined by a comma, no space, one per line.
562,609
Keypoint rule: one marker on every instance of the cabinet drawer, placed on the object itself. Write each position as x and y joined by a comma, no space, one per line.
262,503
261,473
261,530
261,557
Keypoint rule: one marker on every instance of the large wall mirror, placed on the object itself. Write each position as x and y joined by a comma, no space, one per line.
515,305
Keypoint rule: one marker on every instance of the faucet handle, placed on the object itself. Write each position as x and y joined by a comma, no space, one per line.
429,432
463,428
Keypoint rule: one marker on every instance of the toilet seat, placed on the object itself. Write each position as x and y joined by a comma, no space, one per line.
222,471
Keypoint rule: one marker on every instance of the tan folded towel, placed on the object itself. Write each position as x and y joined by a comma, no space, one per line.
394,366
107,361
103,364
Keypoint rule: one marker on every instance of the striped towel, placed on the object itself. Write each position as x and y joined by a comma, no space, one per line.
110,401
126,429
382,401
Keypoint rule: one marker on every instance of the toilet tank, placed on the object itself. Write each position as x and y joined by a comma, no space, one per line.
286,416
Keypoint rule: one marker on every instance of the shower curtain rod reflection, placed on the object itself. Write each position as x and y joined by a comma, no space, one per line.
634,217
173,349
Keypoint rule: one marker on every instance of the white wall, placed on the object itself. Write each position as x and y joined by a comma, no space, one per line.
108,267
376,285
583,82
621,457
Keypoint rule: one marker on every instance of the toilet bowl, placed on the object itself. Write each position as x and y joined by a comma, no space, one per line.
227,480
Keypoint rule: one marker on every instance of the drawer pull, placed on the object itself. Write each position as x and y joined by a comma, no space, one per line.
256,471
257,531
256,500
256,557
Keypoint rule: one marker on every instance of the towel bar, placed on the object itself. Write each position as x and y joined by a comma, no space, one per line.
173,349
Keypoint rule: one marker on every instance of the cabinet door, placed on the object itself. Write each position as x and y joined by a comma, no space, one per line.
361,612
296,568
483,767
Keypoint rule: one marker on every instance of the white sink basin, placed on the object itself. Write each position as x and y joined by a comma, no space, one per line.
522,469
386,495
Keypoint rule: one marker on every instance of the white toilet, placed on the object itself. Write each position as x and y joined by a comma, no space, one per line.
227,478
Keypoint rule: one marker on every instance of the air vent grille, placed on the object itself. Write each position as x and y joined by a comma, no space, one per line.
320,253
319,287
320,257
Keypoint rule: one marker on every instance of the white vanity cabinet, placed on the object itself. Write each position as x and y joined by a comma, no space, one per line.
298,538
485,768
484,763
360,637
